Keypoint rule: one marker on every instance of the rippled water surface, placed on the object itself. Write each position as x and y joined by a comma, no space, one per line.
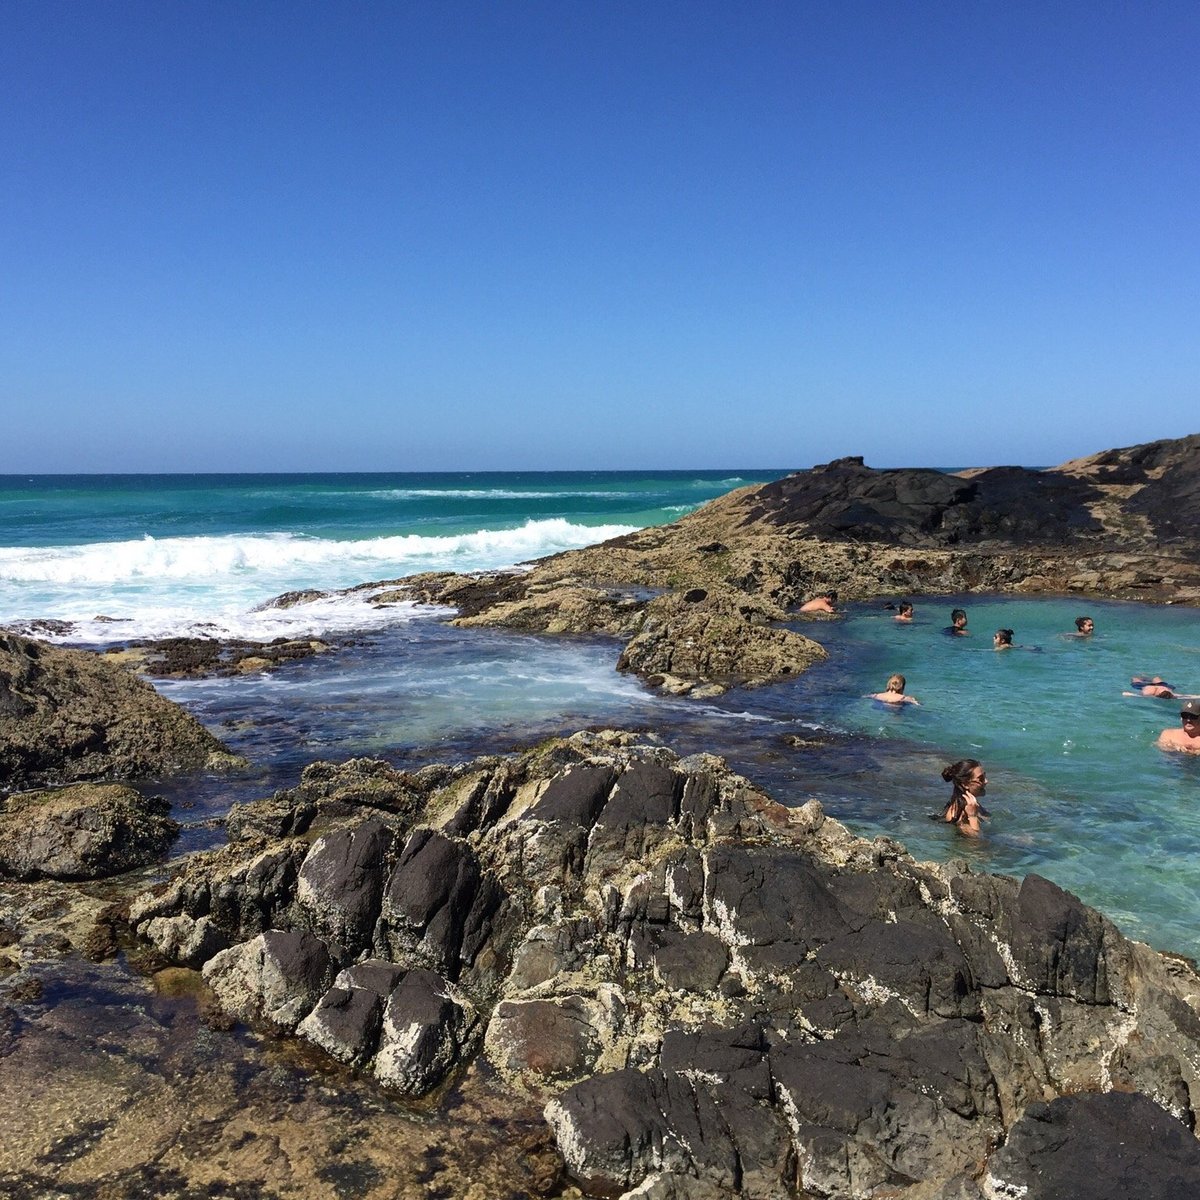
1078,791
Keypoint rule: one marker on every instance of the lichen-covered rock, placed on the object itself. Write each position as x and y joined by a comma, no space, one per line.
276,978
69,715
716,637
85,831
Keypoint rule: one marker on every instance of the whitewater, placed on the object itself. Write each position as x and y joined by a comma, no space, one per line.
126,557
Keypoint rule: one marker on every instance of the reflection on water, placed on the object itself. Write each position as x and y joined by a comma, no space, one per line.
1077,789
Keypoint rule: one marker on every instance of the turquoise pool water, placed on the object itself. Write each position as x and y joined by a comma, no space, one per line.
1077,789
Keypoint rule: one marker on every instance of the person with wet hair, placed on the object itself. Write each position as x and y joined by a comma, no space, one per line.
894,693
963,809
1084,626
958,624
1002,639
905,611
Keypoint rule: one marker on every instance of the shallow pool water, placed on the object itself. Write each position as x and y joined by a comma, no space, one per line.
1078,791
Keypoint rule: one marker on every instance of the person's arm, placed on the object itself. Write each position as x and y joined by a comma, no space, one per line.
968,823
1166,741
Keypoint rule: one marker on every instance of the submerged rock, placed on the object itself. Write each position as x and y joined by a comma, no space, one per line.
709,993
70,715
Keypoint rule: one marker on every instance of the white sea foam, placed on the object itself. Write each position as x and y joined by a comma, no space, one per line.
500,494
159,587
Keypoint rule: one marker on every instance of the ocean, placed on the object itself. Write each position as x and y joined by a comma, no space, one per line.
1077,792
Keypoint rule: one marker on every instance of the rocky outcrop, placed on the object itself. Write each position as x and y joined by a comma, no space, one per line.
715,636
86,831
709,993
192,657
1112,525
69,715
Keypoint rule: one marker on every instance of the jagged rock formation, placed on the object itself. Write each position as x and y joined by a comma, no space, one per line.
710,993
69,715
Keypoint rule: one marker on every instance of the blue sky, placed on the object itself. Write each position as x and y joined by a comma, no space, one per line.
426,236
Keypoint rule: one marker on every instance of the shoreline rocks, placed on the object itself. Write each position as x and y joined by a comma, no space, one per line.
705,989
85,831
1106,525
68,716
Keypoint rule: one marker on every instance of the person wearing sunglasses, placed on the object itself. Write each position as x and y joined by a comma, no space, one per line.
1186,736
963,810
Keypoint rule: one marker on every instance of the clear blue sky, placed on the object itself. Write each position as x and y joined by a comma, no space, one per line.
424,236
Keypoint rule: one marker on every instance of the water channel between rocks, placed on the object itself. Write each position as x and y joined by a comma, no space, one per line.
1077,790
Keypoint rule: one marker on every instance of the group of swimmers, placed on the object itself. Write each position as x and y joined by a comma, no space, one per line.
967,776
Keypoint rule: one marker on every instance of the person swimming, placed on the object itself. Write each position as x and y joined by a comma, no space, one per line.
1002,639
905,612
1084,626
1157,688
963,810
825,602
958,624
1187,737
894,693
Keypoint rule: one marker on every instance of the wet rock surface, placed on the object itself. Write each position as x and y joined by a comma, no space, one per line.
707,993
69,715
192,657
85,831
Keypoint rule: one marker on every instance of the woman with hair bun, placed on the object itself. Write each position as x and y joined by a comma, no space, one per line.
963,810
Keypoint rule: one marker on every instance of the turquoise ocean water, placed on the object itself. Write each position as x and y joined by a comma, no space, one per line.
1077,790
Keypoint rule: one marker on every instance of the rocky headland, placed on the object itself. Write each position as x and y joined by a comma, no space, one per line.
591,968
709,602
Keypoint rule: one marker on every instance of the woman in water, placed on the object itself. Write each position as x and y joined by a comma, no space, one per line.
1002,639
905,613
895,692
970,782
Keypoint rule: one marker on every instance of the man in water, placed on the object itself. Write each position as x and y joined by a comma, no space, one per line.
905,613
825,602
1186,738
958,624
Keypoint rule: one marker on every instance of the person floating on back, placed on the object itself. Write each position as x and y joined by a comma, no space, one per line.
894,693
825,602
1187,736
958,624
1157,688
964,811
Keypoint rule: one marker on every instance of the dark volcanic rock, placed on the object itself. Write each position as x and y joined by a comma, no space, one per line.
710,994
71,716
193,657
86,831
1099,1147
